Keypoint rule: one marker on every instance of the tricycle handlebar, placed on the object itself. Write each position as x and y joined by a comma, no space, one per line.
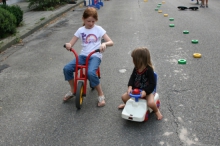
76,55
97,50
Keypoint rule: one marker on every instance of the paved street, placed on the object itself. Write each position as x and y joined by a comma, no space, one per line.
32,83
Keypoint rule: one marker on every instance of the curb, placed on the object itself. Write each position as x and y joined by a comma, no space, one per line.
8,42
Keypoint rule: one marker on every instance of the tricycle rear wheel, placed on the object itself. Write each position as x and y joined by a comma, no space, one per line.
79,95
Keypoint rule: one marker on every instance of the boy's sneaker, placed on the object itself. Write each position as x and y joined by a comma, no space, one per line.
101,100
68,96
202,6
206,6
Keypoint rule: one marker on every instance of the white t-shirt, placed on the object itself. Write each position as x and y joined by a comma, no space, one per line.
91,39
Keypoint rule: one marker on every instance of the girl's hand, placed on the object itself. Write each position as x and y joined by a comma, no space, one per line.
102,47
68,46
129,90
143,94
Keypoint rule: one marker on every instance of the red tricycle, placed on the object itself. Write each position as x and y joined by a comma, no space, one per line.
80,78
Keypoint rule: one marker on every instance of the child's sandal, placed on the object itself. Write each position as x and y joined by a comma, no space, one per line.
101,100
68,96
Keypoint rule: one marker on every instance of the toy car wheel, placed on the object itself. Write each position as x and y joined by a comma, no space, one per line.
147,115
158,103
79,95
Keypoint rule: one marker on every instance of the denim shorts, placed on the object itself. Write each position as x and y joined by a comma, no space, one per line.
94,63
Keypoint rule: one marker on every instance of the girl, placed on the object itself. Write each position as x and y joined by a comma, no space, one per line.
90,35
142,78
203,4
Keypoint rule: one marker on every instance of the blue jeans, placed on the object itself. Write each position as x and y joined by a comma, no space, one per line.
94,63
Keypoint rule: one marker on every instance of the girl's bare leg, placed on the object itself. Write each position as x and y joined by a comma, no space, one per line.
203,2
125,97
153,106
99,90
71,82
69,94
101,95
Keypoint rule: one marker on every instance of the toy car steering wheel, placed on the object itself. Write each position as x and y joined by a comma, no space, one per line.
136,96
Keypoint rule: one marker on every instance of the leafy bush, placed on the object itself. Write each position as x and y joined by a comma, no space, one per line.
7,23
16,11
45,4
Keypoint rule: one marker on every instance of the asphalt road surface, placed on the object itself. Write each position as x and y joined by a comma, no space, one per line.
32,83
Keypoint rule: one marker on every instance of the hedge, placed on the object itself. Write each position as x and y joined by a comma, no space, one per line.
7,23
16,11
42,4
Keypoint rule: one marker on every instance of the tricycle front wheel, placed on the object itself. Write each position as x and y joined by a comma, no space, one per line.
79,95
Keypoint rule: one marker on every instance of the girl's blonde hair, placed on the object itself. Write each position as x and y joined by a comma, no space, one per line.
90,12
141,56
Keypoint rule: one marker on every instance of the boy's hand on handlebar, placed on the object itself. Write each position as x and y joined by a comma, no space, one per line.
102,47
68,46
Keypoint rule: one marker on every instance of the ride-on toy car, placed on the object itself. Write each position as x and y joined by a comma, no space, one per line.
136,109
80,78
